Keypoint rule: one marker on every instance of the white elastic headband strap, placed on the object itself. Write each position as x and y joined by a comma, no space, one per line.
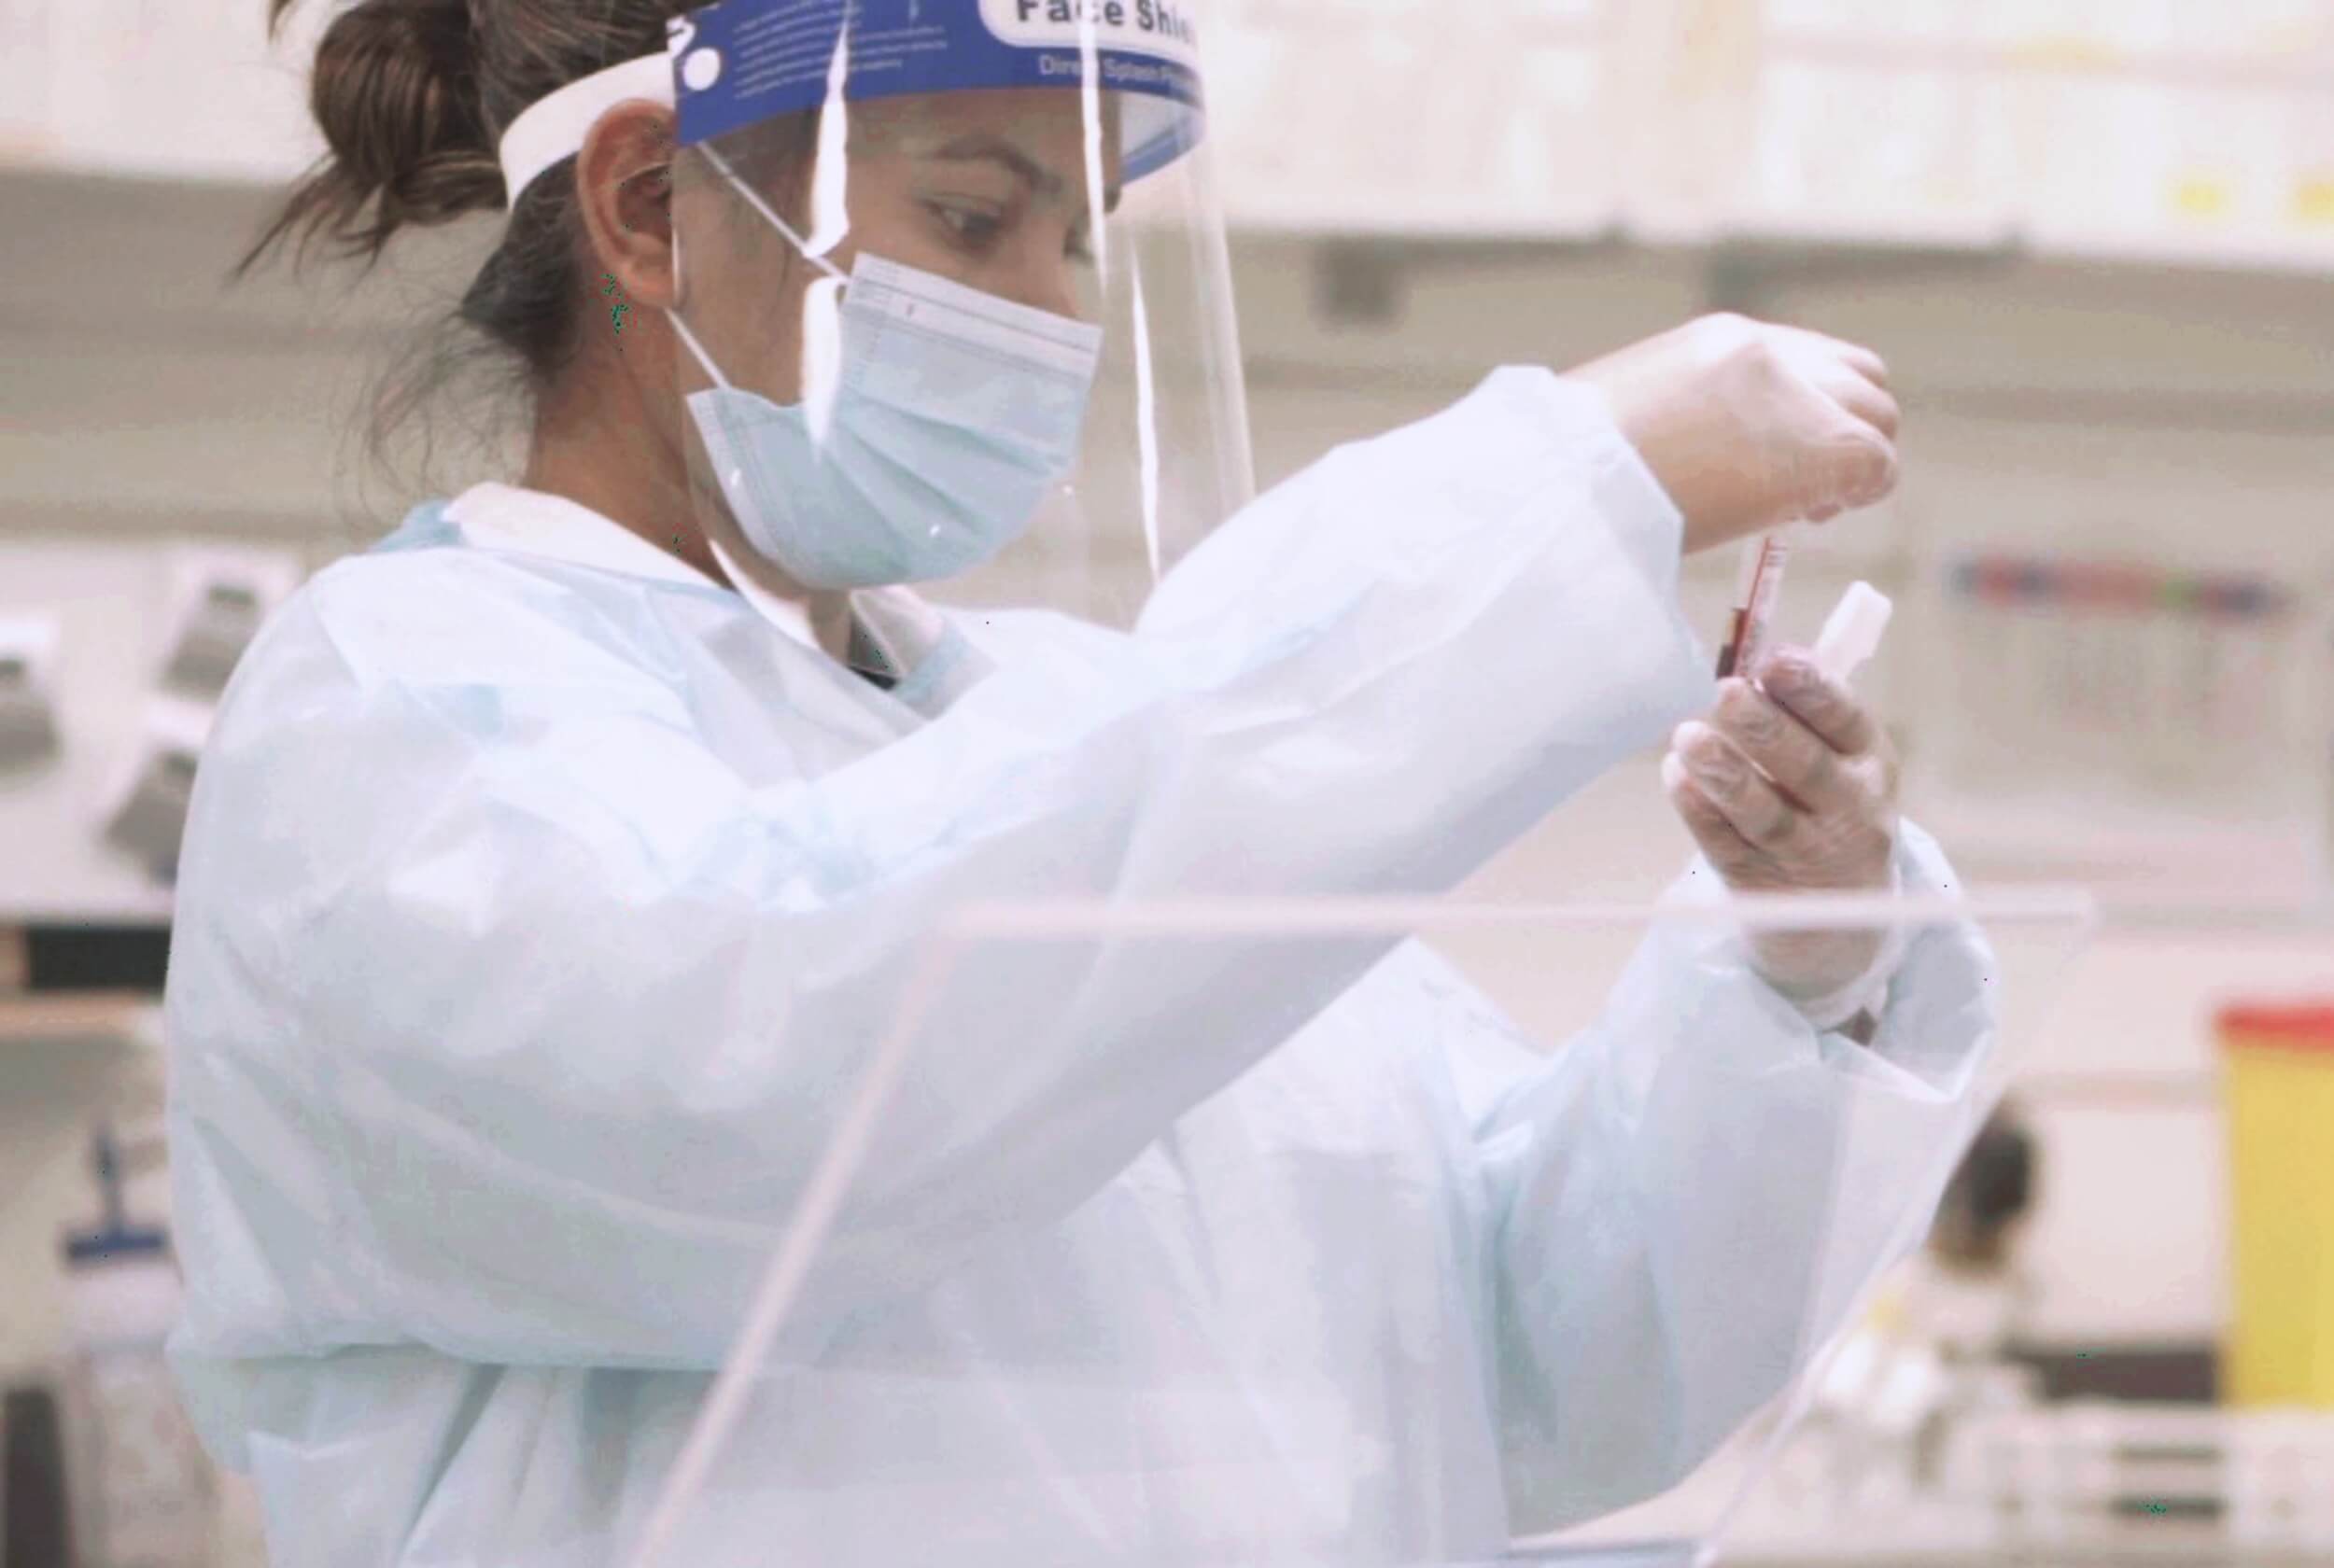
554,128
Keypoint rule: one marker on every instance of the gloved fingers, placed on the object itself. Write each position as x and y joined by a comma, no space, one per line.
1842,456
1801,763
1863,361
1790,678
1732,856
1752,805
1868,471
1855,466
1868,402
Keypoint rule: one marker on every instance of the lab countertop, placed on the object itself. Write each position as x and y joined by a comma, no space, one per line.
2203,1550
2176,1545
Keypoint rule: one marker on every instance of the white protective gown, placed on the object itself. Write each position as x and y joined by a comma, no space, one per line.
516,840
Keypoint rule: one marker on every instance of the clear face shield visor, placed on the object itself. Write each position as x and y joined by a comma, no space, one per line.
953,307
1551,1219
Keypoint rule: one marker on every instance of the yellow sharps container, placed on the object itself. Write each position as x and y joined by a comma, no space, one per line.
2279,1082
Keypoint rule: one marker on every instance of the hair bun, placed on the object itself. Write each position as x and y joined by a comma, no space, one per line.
395,91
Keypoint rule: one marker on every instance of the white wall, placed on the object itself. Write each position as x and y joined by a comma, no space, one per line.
2050,406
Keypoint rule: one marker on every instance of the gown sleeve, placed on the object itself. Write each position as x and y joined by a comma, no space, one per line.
1689,1197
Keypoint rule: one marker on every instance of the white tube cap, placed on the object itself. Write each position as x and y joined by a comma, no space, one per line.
1853,633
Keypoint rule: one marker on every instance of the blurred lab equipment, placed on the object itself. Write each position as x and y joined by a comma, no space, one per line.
35,1509
1985,1204
2113,673
2279,1077
2018,1479
149,816
1928,1353
1926,1434
2084,1475
2134,714
28,720
219,628
222,596
143,1490
2089,126
1523,140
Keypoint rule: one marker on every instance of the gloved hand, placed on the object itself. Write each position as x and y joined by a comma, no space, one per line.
1750,425
1791,786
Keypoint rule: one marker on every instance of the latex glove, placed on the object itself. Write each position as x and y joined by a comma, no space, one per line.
1750,425
1791,786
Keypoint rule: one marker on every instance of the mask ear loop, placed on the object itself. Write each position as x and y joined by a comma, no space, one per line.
822,350
689,342
689,339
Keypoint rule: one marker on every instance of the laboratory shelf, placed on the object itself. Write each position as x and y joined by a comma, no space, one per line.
1542,114
2064,57
2167,247
1335,221
2235,875
2140,1553
71,1018
1944,234
116,905
1839,242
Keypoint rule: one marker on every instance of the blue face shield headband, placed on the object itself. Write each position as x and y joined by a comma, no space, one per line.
734,65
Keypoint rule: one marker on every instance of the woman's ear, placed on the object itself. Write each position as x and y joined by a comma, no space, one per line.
624,191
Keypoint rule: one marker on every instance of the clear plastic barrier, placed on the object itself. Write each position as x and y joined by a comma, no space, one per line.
1344,1232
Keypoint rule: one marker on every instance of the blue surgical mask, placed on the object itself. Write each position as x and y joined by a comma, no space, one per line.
922,450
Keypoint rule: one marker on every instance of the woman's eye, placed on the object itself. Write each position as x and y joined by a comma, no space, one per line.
974,229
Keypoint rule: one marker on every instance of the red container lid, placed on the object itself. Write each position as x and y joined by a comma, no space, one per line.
2300,1027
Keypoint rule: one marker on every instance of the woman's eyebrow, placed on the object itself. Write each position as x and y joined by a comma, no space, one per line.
982,147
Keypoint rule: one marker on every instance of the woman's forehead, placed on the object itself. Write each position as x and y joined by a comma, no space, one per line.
1046,126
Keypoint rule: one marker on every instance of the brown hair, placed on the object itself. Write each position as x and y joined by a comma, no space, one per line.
412,97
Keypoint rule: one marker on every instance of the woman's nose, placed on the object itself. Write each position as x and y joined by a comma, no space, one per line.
1044,280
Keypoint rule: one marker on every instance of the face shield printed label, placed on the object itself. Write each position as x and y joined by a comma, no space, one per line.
741,61
1163,28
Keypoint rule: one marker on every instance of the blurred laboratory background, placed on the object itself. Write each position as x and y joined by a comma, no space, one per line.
2095,240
